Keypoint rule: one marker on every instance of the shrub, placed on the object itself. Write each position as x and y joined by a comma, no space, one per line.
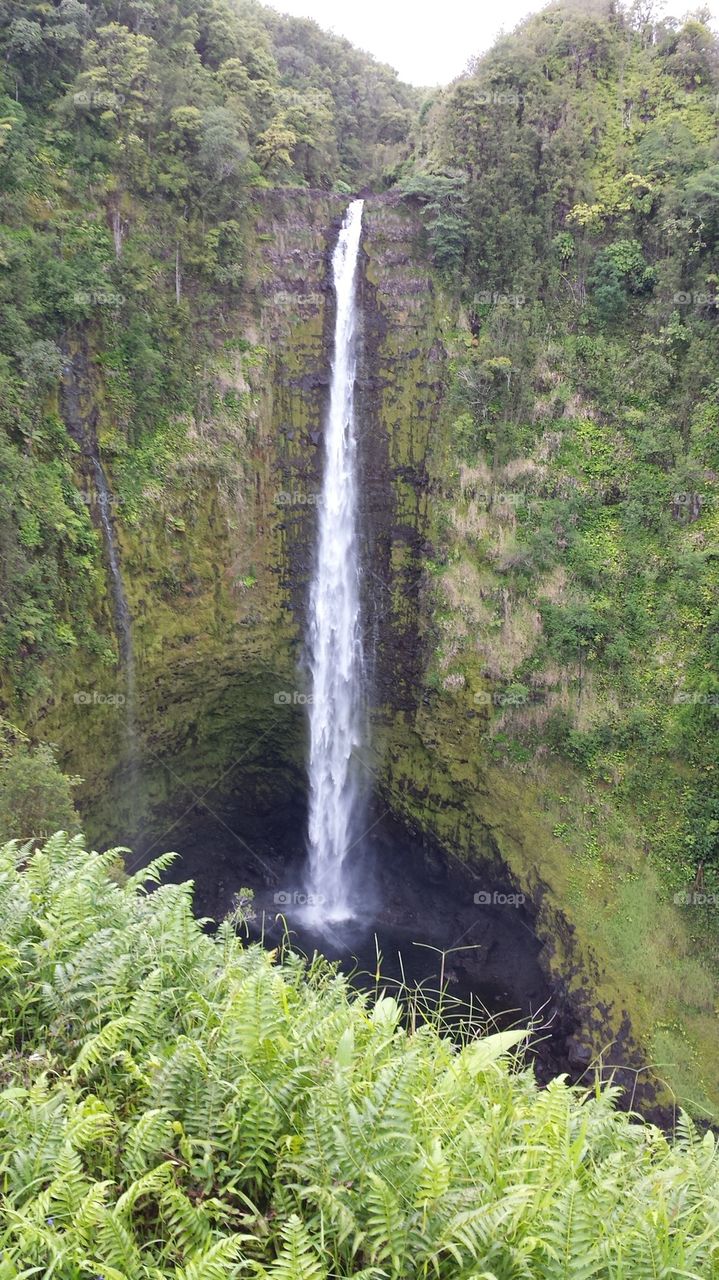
619,270
35,795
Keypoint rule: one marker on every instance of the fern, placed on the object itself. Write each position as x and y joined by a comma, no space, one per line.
572,1237
187,1224
298,1258
180,1107
219,1261
151,1134
115,1245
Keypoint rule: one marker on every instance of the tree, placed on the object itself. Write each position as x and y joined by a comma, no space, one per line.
444,206
700,200
35,795
222,151
691,54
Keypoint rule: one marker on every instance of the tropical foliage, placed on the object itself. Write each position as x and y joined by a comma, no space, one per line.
35,795
179,1105
133,138
566,186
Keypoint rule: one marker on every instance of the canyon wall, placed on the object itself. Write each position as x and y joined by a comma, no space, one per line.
216,576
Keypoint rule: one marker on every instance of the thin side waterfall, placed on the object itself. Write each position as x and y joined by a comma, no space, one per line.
123,621
335,643
122,613
78,413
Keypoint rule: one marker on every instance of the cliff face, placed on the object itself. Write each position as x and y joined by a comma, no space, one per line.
216,580
400,405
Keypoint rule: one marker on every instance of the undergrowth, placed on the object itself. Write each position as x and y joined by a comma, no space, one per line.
176,1104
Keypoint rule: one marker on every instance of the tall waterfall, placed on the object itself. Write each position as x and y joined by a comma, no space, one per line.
334,624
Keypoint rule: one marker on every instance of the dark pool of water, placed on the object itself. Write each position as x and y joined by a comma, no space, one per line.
423,923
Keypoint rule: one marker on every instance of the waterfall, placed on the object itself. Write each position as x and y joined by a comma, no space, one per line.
123,624
123,621
335,644
81,426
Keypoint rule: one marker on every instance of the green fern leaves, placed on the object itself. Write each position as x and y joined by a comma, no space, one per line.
178,1107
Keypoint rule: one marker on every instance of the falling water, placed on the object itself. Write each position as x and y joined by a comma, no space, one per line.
123,623
122,613
81,426
334,624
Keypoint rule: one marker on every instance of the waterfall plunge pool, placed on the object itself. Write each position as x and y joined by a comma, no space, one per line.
327,874
418,915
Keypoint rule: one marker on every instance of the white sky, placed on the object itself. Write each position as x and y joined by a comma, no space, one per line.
430,41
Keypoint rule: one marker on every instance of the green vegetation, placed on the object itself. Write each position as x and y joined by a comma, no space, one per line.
168,174
566,186
133,140
35,795
178,1105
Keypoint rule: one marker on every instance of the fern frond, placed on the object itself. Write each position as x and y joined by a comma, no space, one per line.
151,873
187,1224
151,1134
221,1260
297,1259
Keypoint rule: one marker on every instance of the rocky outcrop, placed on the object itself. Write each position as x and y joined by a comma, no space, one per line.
215,577
400,392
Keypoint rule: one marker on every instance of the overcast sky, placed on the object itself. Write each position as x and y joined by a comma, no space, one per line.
428,41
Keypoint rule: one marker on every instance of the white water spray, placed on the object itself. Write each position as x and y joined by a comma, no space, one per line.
334,624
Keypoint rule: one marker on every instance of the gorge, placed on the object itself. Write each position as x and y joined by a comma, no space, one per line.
255,835
223,693
359,543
